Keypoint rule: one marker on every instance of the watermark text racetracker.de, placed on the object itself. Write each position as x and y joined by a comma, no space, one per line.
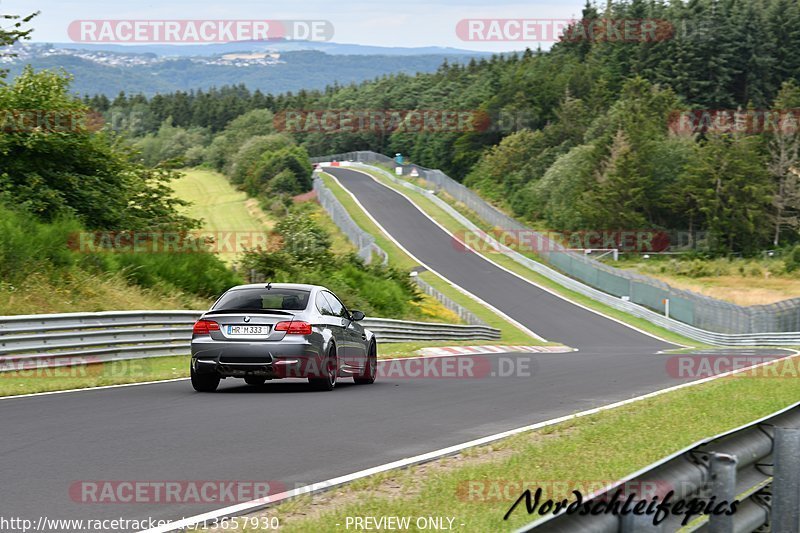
733,121
171,492
50,121
699,366
197,31
128,241
636,240
458,367
329,121
573,30
12,524
72,367
490,491
448,367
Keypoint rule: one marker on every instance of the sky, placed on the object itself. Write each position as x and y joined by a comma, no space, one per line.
407,23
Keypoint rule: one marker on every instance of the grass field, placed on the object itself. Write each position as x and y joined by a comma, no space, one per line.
740,281
221,207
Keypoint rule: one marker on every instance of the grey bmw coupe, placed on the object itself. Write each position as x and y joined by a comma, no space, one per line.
281,330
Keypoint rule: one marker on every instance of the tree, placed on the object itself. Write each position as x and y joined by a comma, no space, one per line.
16,33
72,168
556,195
784,159
618,198
286,171
226,145
727,187
251,152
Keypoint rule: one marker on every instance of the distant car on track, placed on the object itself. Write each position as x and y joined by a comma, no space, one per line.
281,330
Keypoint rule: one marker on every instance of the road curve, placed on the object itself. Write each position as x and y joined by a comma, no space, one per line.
552,317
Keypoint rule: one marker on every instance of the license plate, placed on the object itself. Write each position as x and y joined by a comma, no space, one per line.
248,330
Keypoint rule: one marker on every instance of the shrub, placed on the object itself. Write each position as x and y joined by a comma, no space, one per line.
792,260
28,246
200,273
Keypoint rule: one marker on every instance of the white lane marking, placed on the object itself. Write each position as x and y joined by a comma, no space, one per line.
84,389
554,293
412,256
254,505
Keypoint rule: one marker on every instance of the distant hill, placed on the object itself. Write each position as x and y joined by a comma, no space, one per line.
277,45
150,69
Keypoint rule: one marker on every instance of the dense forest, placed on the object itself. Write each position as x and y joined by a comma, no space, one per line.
581,135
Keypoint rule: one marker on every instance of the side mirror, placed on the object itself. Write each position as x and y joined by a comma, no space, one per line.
357,315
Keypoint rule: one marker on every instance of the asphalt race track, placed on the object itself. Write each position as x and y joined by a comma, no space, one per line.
289,435
549,316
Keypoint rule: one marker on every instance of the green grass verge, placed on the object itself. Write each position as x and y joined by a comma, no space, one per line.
93,375
454,226
478,486
509,332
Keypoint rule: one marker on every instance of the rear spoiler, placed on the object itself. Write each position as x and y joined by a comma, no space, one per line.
247,311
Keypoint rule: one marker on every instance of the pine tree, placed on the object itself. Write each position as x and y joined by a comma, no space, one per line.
784,164
727,186
618,199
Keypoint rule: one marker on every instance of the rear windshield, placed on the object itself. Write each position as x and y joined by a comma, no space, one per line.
258,299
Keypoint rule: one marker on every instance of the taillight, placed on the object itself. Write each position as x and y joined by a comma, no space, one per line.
294,328
204,327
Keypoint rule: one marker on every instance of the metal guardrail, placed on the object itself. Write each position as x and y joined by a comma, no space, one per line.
463,313
688,307
791,338
390,330
362,240
35,341
756,464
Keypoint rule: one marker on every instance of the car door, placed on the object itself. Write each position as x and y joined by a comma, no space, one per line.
331,321
336,322
356,352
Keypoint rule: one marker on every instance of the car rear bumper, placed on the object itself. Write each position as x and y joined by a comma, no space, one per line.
270,360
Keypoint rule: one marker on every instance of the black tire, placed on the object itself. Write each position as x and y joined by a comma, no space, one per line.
255,380
330,369
204,382
371,371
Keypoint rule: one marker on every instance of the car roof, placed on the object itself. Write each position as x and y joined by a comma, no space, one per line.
300,286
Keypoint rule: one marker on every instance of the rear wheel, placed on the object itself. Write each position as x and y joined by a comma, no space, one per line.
329,373
371,370
255,380
204,382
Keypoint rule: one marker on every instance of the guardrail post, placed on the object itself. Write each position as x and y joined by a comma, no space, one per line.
786,481
723,488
